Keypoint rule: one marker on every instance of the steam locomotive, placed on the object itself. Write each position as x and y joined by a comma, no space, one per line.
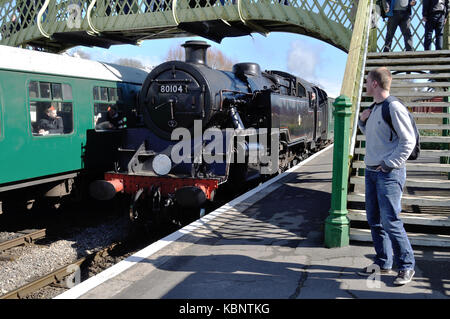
235,126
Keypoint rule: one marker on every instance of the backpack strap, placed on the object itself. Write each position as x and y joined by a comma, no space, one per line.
385,112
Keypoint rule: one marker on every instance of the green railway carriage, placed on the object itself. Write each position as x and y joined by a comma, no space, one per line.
80,91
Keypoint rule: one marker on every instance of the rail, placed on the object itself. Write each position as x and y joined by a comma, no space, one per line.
56,276
28,237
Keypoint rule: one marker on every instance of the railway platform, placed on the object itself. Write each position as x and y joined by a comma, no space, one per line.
266,244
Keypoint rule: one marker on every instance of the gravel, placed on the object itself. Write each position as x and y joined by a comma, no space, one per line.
7,236
27,263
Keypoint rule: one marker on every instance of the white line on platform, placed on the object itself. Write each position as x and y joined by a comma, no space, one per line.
120,267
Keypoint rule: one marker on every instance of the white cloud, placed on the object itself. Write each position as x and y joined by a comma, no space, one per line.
303,59
333,88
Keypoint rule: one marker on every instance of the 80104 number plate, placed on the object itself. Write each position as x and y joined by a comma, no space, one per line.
172,88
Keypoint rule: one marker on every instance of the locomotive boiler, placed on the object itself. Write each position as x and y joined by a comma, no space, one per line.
208,129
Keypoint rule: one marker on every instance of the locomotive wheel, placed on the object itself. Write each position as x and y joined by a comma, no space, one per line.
136,209
146,209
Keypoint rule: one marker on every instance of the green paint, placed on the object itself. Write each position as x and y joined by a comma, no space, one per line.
328,21
337,225
24,155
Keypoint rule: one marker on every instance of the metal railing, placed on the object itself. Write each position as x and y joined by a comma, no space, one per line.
26,21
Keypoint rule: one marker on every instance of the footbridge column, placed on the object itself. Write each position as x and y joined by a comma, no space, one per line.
337,225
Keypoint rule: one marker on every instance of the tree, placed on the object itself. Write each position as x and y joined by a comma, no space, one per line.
218,60
130,62
176,53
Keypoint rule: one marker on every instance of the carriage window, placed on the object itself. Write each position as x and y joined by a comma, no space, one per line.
301,91
104,94
44,89
67,92
112,93
34,90
96,93
56,91
105,99
51,108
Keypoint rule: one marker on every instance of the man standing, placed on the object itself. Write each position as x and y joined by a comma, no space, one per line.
399,14
385,175
434,14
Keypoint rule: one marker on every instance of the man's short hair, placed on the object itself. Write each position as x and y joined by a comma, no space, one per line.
383,77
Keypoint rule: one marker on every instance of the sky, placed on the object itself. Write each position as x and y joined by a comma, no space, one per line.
303,56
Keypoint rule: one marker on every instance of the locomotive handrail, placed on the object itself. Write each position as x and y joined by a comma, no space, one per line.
39,19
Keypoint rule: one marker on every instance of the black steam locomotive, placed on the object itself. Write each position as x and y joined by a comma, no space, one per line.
207,129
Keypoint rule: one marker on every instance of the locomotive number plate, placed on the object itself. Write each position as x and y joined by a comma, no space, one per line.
172,88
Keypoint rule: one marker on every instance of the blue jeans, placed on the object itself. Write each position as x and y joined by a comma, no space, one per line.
383,206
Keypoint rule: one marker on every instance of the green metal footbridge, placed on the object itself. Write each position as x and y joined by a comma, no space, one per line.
422,79
55,25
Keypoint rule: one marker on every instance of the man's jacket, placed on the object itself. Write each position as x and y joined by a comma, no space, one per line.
380,149
392,6
53,126
434,6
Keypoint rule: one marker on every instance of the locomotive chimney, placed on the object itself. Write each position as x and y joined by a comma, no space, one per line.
195,51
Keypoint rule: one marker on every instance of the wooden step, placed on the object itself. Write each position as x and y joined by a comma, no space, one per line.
420,75
427,84
415,104
431,153
412,166
423,139
411,182
413,68
431,115
433,126
408,200
424,95
408,54
407,218
388,62
416,239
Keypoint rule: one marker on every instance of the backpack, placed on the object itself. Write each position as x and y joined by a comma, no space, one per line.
387,118
382,4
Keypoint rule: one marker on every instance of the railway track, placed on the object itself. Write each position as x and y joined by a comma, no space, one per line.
65,277
28,237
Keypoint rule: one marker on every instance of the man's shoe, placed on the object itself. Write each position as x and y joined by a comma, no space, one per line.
386,49
404,276
372,269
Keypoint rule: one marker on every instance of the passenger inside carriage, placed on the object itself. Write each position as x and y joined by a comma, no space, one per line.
50,123
112,121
